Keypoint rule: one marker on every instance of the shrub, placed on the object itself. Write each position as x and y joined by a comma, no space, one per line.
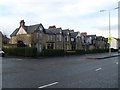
21,51
51,52
70,52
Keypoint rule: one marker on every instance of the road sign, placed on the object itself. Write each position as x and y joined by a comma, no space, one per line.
109,39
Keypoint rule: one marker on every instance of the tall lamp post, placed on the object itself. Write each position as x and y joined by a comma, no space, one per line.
109,11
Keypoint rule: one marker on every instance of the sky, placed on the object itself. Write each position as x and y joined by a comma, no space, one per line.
80,15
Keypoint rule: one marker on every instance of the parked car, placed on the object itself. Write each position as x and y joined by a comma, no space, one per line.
2,53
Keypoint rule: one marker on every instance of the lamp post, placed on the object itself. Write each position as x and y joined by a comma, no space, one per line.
109,11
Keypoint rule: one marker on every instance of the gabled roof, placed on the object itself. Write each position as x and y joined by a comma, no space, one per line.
47,31
99,37
15,32
28,29
32,28
65,32
74,34
55,30
92,36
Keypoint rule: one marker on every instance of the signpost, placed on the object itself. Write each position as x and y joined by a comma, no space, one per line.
109,39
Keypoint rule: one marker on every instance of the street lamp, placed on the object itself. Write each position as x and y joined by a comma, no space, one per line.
109,11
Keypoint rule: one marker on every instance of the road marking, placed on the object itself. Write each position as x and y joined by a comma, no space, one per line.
19,59
48,85
116,62
98,69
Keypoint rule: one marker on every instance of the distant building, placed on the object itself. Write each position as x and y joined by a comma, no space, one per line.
4,40
114,43
76,42
54,38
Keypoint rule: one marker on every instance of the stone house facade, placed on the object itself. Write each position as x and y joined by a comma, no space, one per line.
55,38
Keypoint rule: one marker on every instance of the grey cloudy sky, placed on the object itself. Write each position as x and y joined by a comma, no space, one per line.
80,15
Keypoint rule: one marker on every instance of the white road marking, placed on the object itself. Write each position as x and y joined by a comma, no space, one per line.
116,62
98,69
48,85
19,59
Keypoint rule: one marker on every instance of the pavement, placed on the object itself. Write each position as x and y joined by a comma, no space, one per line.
60,72
103,55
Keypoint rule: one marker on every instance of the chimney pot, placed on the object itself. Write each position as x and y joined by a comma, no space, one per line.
52,26
22,23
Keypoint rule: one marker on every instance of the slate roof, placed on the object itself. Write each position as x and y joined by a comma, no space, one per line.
74,34
32,28
47,31
28,29
55,30
65,32
93,36
99,37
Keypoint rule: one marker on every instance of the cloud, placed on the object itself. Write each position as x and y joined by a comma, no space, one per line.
64,13
113,27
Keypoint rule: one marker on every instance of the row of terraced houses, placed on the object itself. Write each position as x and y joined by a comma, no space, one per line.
55,38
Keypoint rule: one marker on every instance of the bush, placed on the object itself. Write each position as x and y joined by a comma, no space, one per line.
79,52
21,51
97,51
51,52
91,51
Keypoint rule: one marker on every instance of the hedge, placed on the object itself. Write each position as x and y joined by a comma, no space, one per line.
81,52
32,52
21,51
51,52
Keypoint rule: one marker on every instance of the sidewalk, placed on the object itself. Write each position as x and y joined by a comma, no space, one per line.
103,55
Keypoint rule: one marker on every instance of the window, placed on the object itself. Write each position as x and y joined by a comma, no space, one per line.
60,31
77,40
60,38
50,45
90,40
37,36
40,35
48,37
68,32
51,37
40,28
67,38
57,37
72,39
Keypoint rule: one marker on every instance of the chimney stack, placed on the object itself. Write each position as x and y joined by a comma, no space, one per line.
71,31
84,34
52,26
22,23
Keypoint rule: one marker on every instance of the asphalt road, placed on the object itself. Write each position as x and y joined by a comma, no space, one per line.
60,72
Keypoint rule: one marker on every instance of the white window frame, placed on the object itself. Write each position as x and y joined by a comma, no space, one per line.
67,38
72,39
60,37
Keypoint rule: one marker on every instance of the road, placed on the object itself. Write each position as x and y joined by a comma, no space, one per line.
60,72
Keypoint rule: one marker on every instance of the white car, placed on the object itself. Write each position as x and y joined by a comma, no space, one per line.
2,53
